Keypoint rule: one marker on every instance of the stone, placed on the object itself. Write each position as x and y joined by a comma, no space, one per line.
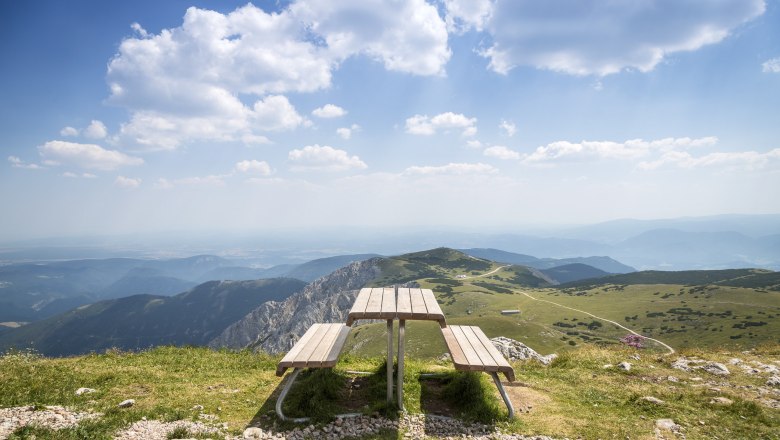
126,403
672,379
667,425
516,350
625,366
253,432
716,369
721,401
81,391
197,408
607,366
653,400
773,381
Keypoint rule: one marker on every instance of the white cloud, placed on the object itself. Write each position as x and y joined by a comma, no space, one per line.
424,125
463,15
771,66
315,157
406,36
329,111
183,84
89,156
210,180
508,127
69,131
19,163
346,132
95,130
163,183
631,149
452,168
602,38
501,152
127,182
254,167
748,160
473,143
72,175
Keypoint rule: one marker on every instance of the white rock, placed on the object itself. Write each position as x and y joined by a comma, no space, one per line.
672,379
126,403
716,369
654,400
773,381
516,350
81,391
624,366
607,366
667,424
721,401
253,432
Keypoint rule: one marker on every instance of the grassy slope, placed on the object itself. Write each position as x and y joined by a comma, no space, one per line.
564,398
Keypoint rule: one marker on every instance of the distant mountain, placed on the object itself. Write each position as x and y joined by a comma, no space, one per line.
749,278
143,280
139,321
320,267
573,272
605,264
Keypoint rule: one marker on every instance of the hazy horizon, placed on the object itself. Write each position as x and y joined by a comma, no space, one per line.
195,116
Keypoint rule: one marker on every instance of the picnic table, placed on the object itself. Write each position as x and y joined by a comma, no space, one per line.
405,304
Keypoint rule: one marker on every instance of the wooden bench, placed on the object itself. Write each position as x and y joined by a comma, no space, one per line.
471,350
319,347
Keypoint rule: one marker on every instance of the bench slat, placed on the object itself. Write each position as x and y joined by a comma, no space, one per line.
388,303
471,350
434,311
477,345
359,307
418,304
322,350
289,358
458,358
319,347
374,307
404,303
335,349
473,362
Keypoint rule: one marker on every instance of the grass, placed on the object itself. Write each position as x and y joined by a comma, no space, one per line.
240,388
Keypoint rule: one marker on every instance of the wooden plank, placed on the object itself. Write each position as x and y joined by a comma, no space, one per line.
434,311
338,344
487,360
404,303
419,311
302,360
472,359
503,364
321,351
359,307
458,358
374,306
288,359
388,303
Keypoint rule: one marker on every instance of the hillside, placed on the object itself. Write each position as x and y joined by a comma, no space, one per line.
728,277
605,264
140,321
223,392
573,272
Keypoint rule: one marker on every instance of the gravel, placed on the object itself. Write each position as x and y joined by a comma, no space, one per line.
54,417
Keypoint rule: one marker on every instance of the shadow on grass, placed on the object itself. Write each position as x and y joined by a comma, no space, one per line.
323,394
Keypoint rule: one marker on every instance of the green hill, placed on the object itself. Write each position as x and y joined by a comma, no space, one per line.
573,272
141,321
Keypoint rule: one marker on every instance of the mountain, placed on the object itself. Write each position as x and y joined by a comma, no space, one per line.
748,278
320,267
275,326
605,264
573,272
140,321
144,280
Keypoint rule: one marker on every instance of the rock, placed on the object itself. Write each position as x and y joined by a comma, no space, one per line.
681,363
635,357
716,369
773,381
652,399
667,425
672,379
516,350
126,403
81,391
625,366
253,432
721,401
607,366
197,408
735,361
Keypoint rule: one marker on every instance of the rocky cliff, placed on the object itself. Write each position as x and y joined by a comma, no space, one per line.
275,326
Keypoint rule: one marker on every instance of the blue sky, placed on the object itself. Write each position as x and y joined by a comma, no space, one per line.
136,117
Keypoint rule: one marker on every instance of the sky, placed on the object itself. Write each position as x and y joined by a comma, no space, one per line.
147,116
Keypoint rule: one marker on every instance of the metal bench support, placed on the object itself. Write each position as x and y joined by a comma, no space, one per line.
504,396
283,395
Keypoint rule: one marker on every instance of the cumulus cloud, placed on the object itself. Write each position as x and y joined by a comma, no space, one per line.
463,15
452,168
183,84
254,167
424,125
127,182
509,128
631,149
16,162
749,160
96,130
346,132
501,152
771,66
69,131
329,111
88,156
324,158
601,38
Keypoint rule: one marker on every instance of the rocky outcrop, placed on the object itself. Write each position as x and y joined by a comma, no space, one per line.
516,350
275,326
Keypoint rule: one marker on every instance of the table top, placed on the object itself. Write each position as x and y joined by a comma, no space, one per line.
387,303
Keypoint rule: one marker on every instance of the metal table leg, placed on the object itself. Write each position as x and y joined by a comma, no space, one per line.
400,391
389,361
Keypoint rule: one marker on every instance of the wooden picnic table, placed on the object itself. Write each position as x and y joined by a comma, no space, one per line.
402,303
